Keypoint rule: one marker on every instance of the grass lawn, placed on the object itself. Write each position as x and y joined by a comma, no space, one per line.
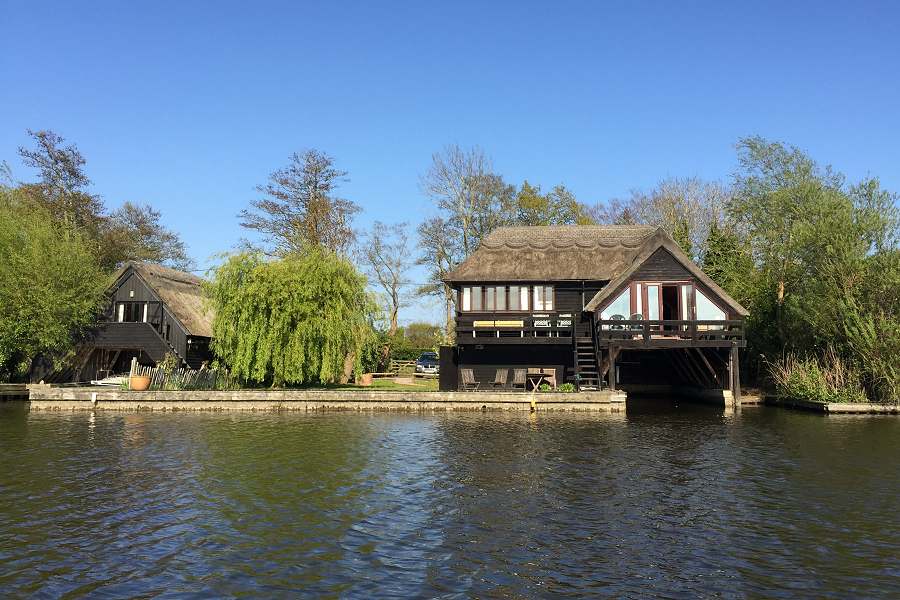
421,385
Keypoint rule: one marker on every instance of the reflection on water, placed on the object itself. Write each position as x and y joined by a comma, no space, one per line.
664,500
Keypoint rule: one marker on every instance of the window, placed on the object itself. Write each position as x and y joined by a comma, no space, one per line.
543,297
620,306
493,298
685,306
500,297
653,302
637,300
515,298
476,298
707,310
132,312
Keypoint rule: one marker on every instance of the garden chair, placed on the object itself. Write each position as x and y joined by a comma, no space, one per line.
636,326
519,378
500,378
468,380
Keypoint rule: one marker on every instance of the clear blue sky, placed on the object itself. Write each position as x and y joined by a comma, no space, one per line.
190,105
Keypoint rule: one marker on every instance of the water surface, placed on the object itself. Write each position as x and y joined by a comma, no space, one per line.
663,501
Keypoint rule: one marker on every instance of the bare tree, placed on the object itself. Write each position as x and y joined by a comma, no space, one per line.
685,207
440,252
472,200
387,258
299,207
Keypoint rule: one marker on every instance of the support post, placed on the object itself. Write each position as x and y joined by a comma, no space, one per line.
735,369
612,368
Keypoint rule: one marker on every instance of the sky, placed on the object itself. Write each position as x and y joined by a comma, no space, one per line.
188,106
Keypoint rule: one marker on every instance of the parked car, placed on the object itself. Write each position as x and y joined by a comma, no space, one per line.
428,363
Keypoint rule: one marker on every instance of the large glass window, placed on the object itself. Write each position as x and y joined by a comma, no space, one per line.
467,298
620,306
489,296
476,298
515,302
707,310
500,300
653,302
543,297
637,300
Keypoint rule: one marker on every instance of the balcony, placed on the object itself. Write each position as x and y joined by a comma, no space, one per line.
669,334
515,328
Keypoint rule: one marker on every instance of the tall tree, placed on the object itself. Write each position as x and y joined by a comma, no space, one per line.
471,199
299,208
386,257
63,185
776,189
50,284
134,232
557,207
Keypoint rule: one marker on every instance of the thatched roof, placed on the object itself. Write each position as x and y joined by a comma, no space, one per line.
553,253
181,292
575,253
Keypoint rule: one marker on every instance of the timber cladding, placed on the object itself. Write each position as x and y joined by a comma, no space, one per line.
484,361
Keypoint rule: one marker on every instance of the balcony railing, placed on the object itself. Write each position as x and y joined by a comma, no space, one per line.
508,328
670,332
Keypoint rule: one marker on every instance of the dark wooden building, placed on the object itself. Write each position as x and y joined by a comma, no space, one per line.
152,311
595,306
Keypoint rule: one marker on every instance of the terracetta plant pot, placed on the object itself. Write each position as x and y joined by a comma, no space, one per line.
139,383
365,379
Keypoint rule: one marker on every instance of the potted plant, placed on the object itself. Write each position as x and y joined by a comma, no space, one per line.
137,381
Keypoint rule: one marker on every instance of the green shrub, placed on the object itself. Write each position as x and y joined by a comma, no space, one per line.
567,388
825,379
545,387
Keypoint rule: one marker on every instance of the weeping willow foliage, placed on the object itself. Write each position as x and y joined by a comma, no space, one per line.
297,320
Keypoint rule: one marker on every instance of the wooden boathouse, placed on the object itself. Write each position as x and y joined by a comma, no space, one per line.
617,307
152,311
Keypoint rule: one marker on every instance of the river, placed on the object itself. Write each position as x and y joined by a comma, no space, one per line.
662,501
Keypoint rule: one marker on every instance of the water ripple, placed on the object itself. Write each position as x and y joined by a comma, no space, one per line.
666,502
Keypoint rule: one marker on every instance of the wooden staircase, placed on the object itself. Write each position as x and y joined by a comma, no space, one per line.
586,368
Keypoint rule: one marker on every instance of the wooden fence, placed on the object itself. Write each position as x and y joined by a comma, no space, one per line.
184,379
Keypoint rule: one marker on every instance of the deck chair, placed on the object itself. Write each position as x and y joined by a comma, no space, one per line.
519,378
500,378
468,380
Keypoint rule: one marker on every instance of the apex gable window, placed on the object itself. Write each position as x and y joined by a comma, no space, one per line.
132,312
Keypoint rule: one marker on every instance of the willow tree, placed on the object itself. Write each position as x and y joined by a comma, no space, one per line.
305,318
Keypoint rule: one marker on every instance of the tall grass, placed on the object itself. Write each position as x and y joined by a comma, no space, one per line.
827,378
